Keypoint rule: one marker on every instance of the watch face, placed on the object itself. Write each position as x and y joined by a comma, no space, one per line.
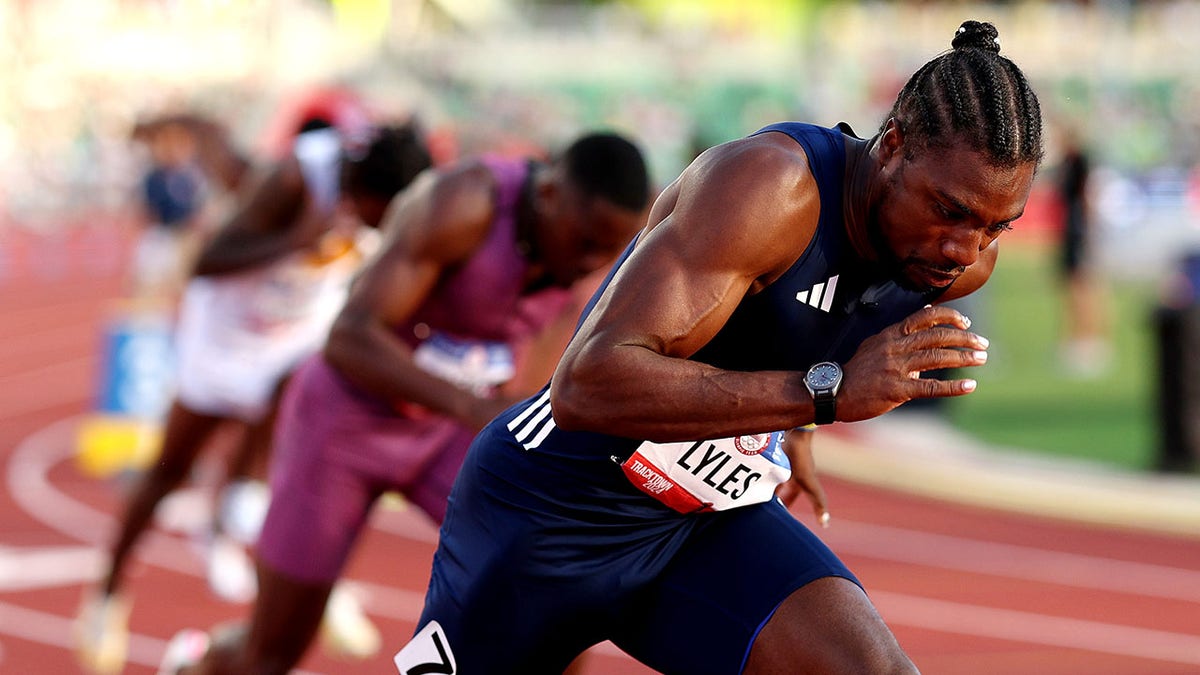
824,375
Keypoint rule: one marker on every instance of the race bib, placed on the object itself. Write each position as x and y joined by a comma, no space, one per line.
476,365
428,653
291,294
717,475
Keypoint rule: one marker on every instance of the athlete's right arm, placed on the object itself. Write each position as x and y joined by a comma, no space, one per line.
438,222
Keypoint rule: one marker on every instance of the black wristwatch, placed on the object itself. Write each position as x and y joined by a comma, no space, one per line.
823,381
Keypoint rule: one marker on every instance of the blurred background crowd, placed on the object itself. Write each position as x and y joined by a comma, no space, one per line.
1119,82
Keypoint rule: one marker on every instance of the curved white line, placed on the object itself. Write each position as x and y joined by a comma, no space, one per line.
1038,629
29,485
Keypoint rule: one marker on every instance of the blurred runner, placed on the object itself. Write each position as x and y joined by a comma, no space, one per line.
477,261
136,378
1084,340
264,292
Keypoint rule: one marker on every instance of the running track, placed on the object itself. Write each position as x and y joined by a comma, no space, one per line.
966,589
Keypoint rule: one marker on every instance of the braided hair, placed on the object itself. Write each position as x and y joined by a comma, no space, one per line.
972,94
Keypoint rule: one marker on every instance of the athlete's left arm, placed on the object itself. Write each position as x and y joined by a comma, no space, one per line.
975,276
798,444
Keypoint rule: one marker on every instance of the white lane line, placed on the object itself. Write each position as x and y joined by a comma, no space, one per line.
56,631
29,486
27,568
1103,638
1026,563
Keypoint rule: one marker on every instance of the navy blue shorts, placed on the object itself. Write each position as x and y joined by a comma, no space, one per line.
541,557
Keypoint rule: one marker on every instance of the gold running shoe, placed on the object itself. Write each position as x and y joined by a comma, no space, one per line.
101,633
345,629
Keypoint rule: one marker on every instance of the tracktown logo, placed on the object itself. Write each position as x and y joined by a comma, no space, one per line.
655,483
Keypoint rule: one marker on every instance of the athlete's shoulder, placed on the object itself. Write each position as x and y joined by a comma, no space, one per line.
802,129
464,191
757,162
759,196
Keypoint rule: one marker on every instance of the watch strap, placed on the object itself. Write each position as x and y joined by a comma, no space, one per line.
825,408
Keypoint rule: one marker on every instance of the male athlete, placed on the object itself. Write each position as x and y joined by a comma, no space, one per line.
476,262
784,279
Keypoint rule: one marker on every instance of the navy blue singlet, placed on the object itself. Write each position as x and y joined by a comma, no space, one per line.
547,548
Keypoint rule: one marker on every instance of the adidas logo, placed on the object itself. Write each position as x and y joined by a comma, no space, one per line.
820,295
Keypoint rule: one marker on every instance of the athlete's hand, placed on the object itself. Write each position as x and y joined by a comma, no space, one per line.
886,370
798,446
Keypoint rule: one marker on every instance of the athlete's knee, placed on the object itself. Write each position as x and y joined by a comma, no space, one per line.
836,661
883,658
901,666
856,659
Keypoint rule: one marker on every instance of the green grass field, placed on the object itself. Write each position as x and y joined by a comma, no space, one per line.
1027,399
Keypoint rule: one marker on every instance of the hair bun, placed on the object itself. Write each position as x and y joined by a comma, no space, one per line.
976,35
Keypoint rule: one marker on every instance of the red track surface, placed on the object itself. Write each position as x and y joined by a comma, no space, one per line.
966,590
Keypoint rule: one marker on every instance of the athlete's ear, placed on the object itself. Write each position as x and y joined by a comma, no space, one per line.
891,140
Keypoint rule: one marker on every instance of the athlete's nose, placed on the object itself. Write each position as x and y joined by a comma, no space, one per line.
962,246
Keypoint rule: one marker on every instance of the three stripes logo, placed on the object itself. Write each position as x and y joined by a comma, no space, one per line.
820,295
534,423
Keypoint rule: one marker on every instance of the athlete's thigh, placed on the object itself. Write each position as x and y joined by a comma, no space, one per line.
827,626
498,606
318,508
703,613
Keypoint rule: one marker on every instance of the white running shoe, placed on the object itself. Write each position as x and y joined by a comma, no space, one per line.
230,570
242,508
186,648
345,629
102,633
